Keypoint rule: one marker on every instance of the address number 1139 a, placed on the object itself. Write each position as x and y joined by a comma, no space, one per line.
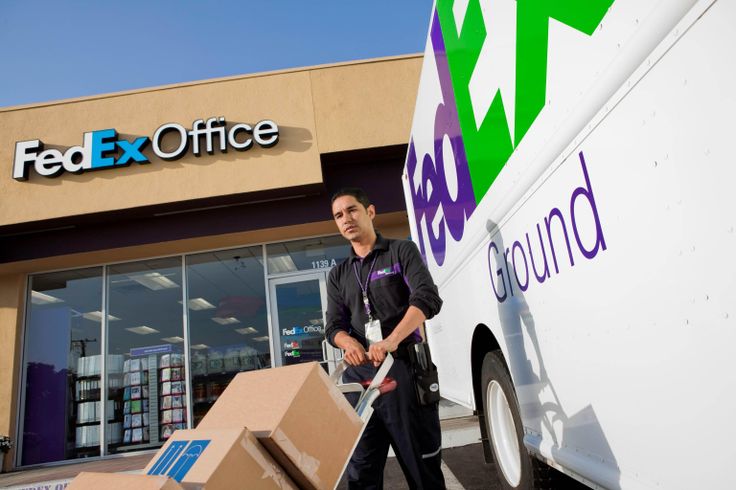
323,264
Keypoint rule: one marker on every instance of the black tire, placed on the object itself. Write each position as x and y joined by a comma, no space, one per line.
516,468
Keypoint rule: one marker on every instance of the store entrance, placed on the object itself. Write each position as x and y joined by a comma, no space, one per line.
298,305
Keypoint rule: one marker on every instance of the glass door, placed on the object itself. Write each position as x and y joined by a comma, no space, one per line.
298,304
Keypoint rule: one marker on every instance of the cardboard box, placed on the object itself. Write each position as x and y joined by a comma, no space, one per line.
121,481
298,415
218,459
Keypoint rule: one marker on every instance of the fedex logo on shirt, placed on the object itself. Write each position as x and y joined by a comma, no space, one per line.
179,458
388,271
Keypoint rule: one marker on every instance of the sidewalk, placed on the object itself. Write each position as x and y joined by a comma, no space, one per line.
456,432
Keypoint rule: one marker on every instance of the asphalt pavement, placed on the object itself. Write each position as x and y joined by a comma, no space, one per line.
464,468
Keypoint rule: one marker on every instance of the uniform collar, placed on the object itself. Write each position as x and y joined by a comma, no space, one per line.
381,244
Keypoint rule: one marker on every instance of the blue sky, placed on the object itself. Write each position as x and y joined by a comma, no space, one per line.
54,49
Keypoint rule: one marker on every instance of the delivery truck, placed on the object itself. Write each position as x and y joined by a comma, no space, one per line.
570,183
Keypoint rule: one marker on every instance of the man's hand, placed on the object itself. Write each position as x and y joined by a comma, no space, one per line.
377,352
412,319
354,351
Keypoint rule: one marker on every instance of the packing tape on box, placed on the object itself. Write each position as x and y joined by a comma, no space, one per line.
306,463
270,470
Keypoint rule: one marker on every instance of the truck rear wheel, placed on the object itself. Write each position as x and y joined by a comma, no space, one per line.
517,469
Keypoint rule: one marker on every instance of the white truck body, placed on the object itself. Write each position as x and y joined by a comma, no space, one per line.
620,348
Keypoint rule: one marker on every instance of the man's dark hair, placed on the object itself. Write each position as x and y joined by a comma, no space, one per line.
358,193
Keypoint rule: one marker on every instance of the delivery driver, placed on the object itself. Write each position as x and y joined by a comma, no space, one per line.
383,292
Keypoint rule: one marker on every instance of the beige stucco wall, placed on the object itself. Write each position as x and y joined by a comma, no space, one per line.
11,292
365,105
285,98
325,109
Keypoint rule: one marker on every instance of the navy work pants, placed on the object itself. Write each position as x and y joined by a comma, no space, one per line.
400,421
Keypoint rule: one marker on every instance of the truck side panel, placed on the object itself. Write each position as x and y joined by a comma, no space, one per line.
610,281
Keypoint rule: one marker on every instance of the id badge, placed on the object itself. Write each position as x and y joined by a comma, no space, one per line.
373,332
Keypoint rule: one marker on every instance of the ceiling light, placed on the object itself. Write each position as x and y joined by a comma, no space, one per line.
154,281
44,299
225,321
197,304
278,265
173,340
246,330
261,339
200,346
142,330
96,316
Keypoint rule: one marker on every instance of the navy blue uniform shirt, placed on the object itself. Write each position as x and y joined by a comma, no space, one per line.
399,279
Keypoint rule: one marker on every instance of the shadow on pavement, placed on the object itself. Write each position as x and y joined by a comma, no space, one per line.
466,464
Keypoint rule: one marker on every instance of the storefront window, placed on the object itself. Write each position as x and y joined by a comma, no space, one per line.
61,364
144,376
145,363
228,321
307,255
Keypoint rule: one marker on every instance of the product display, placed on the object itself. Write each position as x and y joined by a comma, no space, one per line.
214,368
216,362
87,404
88,436
199,363
135,393
91,411
173,394
232,359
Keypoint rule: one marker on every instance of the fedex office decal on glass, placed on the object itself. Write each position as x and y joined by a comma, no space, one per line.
105,149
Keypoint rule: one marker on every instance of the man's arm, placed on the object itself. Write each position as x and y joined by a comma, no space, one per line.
411,321
424,302
338,324
424,294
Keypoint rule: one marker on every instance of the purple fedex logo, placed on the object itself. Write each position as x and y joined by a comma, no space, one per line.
432,191
490,85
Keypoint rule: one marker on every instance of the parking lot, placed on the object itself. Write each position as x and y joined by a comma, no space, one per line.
467,470
462,457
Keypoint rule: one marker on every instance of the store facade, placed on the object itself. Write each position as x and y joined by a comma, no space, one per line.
155,243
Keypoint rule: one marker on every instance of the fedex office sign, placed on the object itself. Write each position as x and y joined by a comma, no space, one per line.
105,148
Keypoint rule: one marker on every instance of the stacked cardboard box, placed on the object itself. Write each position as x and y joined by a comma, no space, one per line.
299,416
218,459
283,428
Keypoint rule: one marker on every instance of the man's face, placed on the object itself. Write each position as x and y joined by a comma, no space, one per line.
354,221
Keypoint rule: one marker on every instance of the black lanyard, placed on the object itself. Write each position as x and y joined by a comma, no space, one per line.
364,289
